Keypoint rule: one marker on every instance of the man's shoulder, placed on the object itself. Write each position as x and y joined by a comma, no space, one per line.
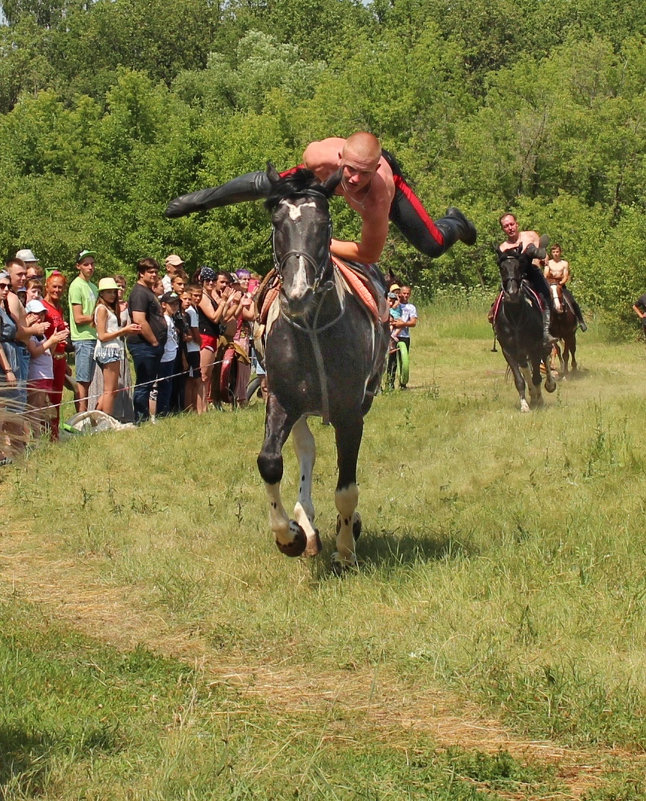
140,289
139,295
14,302
76,288
323,153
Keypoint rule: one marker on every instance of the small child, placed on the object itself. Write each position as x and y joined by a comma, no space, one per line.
33,289
170,306
190,299
41,367
395,313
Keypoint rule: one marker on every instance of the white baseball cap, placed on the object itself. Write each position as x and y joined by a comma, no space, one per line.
34,306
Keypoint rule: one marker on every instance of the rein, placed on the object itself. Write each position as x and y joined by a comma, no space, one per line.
320,289
313,330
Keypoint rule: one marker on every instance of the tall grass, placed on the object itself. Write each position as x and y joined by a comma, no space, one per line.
502,565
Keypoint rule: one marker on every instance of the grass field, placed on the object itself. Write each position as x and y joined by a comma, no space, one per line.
492,645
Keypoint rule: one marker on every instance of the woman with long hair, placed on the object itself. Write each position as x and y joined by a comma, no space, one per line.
110,346
210,311
54,289
243,310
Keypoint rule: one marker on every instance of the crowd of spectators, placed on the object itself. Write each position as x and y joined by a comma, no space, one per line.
174,331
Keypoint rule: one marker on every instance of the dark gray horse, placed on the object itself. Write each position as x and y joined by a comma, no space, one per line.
324,356
518,325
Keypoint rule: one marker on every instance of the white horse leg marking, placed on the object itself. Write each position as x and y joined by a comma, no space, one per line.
346,501
278,519
526,373
305,448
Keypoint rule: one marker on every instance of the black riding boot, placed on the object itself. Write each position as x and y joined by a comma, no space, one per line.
454,227
548,339
579,315
252,186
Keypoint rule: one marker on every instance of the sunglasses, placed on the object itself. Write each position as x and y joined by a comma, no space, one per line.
5,286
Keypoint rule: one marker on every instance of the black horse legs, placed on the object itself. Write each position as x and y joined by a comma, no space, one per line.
297,536
348,440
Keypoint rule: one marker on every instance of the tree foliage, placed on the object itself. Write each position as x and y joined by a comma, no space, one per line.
110,108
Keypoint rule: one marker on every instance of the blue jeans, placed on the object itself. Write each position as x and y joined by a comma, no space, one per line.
146,359
16,397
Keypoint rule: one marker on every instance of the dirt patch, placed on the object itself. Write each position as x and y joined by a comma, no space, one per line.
70,592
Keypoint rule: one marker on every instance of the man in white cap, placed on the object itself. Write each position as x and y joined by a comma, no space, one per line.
34,270
172,263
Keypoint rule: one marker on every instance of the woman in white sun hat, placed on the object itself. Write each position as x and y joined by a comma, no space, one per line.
110,346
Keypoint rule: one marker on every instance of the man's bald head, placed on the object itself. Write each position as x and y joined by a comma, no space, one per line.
363,146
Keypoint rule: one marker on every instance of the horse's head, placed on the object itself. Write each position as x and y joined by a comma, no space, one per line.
509,263
302,231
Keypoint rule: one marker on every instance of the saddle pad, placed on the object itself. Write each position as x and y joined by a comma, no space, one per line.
364,289
270,296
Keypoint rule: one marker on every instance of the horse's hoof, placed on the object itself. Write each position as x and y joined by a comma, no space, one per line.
297,546
550,386
340,565
314,546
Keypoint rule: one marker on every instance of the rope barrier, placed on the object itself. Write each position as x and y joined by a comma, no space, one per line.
37,410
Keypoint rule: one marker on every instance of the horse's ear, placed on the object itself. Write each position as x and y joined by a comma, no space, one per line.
272,173
330,184
499,253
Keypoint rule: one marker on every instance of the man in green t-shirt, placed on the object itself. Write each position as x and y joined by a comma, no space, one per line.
82,297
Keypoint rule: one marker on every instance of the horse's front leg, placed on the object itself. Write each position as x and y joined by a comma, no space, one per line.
550,383
532,375
571,346
519,381
290,537
305,448
348,524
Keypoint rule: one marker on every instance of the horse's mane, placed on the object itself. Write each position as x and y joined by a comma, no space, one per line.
296,183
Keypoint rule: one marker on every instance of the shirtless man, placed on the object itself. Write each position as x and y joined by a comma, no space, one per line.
528,243
557,270
372,184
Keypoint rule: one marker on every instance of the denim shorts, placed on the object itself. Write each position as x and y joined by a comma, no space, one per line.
85,362
103,360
